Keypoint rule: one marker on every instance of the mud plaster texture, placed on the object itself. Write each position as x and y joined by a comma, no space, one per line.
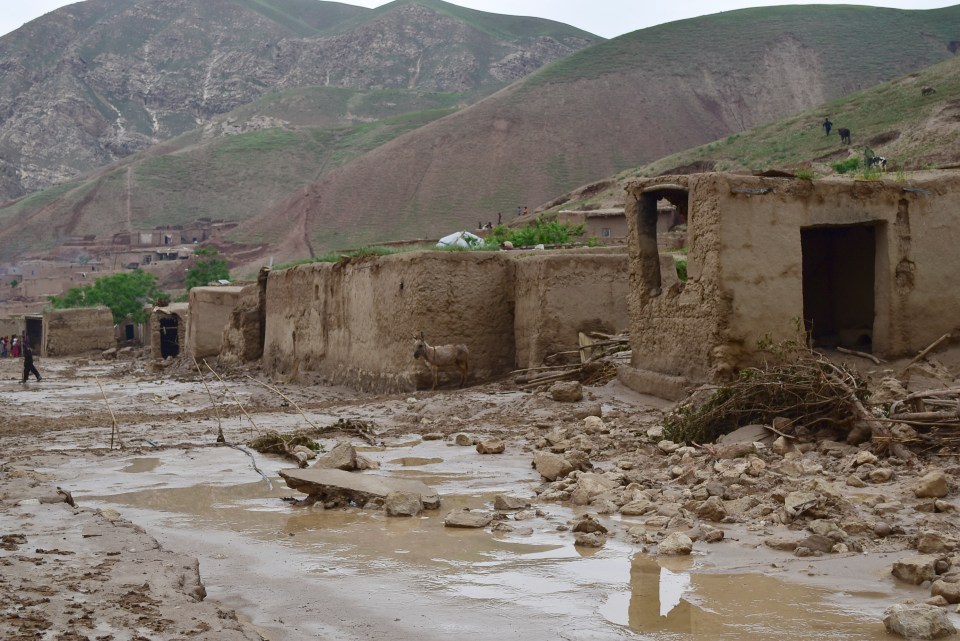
11,326
354,322
561,294
244,334
75,331
211,311
745,266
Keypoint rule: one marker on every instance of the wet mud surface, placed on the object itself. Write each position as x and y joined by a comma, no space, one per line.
280,571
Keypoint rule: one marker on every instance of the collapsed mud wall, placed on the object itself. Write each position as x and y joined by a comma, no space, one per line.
211,312
354,321
75,331
559,294
879,261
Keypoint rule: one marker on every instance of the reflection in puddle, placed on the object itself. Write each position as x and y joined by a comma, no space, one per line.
141,465
698,605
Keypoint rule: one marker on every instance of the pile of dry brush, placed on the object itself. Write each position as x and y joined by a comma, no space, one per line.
812,394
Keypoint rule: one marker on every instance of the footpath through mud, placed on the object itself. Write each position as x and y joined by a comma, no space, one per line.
121,565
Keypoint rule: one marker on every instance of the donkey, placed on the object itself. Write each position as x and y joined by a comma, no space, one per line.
442,356
844,135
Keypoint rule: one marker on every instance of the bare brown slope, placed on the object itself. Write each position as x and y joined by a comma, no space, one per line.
613,106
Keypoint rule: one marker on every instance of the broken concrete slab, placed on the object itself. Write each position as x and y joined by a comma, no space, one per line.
343,487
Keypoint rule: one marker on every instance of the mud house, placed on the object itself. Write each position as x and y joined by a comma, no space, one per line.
168,330
867,265
354,321
75,331
211,313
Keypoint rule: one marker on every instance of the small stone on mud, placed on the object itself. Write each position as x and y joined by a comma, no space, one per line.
932,485
433,436
918,621
463,440
566,391
593,425
915,569
551,466
676,544
403,504
491,446
589,410
506,503
588,524
591,540
466,518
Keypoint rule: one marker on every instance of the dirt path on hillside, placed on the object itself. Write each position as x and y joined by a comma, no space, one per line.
122,563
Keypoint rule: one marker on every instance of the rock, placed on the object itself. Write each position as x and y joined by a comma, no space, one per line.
491,446
109,354
915,569
930,542
734,450
638,508
949,591
942,506
307,453
880,475
592,540
888,390
551,466
796,503
593,425
590,485
938,601
712,509
932,485
433,436
780,543
506,503
676,543
817,543
463,440
566,391
918,621
748,434
827,528
403,504
854,481
588,524
882,529
668,447
655,433
467,518
865,457
714,536
781,446
343,456
588,410
342,487
802,551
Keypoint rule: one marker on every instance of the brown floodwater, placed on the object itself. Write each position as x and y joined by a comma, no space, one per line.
305,572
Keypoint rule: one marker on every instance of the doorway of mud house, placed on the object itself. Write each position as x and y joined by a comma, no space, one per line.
662,211
839,285
169,337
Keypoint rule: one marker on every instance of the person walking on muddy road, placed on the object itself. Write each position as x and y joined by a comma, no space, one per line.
28,366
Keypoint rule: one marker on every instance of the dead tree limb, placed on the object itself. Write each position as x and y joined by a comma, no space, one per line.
287,399
853,352
236,399
115,430
932,346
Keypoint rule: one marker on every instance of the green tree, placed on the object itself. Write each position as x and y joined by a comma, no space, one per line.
125,294
208,266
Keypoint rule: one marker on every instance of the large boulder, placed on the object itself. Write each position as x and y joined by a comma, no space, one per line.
403,504
712,509
551,466
491,446
932,485
916,569
343,456
676,543
918,621
949,591
590,485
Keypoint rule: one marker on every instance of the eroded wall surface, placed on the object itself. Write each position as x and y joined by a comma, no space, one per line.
354,321
244,334
12,326
75,331
559,294
211,311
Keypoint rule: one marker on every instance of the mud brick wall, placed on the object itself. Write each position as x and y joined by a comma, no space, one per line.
211,311
75,331
354,322
559,294
746,270
11,326
175,311
244,334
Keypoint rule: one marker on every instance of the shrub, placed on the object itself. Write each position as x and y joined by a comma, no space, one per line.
207,267
844,166
681,267
536,233
805,174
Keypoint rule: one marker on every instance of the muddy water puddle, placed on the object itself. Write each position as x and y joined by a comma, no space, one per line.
305,572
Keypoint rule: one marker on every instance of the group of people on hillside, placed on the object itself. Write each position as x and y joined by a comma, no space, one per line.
17,347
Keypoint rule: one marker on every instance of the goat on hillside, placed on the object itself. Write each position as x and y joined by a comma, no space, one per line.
442,356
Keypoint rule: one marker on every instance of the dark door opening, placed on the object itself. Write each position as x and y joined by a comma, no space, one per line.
169,337
34,330
129,332
839,277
